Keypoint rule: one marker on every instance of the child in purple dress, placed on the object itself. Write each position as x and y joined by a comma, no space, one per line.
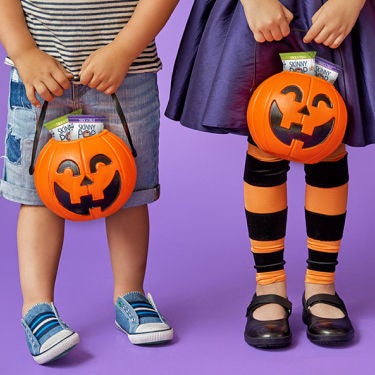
228,48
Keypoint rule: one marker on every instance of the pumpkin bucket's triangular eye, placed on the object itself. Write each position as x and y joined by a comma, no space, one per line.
294,89
322,98
69,164
99,159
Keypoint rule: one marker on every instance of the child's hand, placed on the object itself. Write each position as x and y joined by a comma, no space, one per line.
105,69
42,74
333,22
268,19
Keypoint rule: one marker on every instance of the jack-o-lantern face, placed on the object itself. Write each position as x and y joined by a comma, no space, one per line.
100,188
78,183
297,117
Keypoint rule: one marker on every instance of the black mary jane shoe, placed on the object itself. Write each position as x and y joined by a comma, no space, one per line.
268,334
327,331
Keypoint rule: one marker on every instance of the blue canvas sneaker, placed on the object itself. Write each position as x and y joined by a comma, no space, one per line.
140,319
47,336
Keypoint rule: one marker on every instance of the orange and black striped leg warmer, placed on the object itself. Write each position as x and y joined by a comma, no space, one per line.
266,213
325,211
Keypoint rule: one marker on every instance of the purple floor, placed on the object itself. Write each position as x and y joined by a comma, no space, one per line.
200,268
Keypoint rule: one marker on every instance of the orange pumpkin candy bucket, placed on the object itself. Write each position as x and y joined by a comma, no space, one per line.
85,179
297,117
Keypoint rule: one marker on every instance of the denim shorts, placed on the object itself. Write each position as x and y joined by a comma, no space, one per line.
139,98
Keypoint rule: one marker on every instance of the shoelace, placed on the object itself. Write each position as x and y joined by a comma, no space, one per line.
144,309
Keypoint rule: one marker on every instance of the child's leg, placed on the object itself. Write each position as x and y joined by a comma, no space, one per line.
40,232
40,237
128,236
265,177
266,214
128,229
325,207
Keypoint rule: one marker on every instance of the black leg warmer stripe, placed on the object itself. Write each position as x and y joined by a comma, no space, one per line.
265,174
327,174
324,227
268,262
266,227
320,261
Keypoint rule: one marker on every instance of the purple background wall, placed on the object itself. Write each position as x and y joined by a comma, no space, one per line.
200,268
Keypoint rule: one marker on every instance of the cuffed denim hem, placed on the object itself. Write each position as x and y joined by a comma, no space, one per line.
20,195
140,197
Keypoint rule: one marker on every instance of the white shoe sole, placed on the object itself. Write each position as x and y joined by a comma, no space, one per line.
58,350
144,338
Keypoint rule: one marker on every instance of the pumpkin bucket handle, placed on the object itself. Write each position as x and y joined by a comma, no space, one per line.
40,122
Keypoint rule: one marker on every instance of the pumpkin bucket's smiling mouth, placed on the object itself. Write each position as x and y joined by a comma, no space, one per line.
294,132
110,193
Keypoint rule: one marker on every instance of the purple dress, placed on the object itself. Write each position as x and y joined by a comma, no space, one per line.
219,64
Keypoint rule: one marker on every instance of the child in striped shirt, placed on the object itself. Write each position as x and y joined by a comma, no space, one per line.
73,55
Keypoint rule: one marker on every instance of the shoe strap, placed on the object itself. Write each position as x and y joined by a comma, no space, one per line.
328,299
266,299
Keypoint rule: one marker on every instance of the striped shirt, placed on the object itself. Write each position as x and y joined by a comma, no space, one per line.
71,30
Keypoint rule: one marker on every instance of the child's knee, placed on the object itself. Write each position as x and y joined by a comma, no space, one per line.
263,169
331,172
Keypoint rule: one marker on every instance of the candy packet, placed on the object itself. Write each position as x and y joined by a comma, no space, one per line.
300,62
60,128
85,125
326,69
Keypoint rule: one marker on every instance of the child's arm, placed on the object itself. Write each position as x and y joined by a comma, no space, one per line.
106,68
268,19
39,72
334,21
